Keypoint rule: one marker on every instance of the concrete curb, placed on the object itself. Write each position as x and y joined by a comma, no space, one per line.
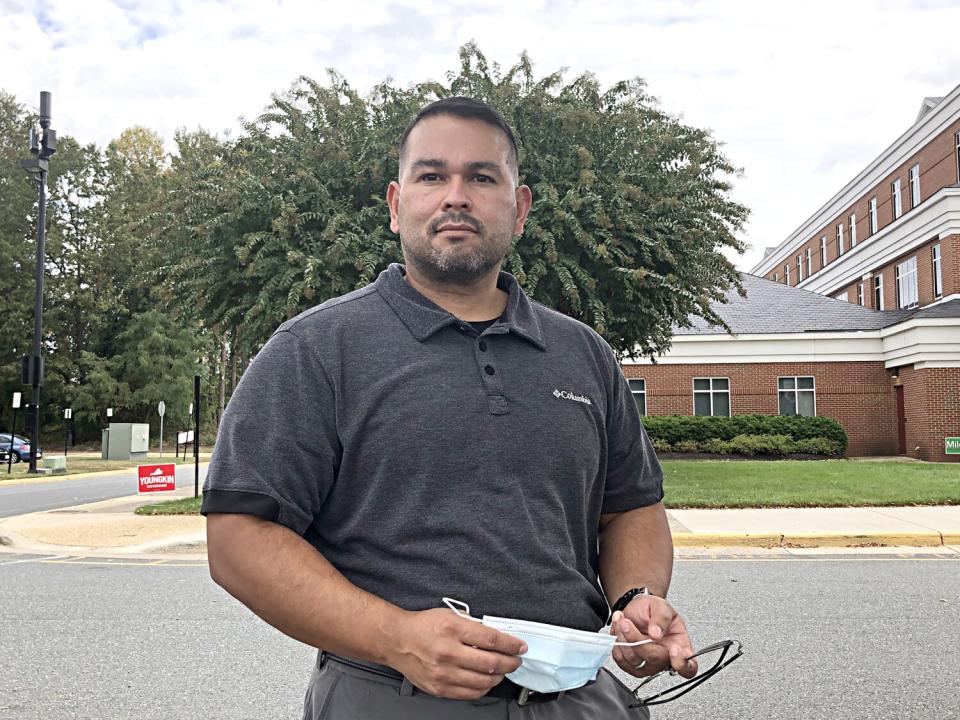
902,539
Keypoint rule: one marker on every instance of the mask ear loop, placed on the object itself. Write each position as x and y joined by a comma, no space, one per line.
465,613
633,644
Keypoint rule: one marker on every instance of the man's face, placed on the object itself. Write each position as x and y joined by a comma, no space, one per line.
457,206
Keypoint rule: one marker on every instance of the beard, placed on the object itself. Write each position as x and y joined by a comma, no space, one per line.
455,265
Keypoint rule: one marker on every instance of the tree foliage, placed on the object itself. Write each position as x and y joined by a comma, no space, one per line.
630,219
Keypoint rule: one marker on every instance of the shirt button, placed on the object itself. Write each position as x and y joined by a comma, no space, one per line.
489,370
483,346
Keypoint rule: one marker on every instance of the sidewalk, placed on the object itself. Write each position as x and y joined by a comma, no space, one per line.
110,528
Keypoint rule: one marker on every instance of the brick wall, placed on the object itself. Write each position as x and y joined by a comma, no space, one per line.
858,395
938,169
932,408
949,266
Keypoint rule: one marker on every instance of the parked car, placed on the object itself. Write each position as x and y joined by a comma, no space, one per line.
21,448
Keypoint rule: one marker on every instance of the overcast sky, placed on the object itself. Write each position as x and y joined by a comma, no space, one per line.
802,95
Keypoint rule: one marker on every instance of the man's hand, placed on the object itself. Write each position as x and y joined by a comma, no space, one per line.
448,656
649,616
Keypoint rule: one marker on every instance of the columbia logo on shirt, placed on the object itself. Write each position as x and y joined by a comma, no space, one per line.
567,395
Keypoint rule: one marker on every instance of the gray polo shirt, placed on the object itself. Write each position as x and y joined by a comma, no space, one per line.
425,460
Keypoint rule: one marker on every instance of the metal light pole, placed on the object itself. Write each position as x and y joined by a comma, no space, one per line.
42,147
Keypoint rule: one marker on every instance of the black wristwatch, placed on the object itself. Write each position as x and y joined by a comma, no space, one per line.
627,597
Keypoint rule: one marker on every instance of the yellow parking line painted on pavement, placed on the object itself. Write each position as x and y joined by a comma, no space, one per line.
122,562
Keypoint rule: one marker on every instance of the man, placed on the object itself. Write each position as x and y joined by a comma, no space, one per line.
443,435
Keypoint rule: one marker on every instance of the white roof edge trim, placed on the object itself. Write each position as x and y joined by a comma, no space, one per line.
914,138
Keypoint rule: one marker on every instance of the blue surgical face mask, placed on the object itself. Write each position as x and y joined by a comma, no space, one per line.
557,658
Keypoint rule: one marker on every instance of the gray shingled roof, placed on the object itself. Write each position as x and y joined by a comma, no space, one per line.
773,307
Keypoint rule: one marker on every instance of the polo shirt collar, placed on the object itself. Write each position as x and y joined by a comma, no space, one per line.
423,317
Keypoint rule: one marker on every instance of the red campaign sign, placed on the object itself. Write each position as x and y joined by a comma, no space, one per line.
157,478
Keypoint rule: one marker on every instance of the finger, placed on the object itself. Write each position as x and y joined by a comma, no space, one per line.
486,638
680,663
643,660
661,618
486,662
630,657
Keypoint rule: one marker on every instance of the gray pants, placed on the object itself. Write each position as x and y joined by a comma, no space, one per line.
341,692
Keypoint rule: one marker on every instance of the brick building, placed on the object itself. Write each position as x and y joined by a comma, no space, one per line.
855,316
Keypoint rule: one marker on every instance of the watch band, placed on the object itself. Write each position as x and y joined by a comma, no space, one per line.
627,597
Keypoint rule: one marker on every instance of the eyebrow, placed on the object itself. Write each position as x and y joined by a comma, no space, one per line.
426,163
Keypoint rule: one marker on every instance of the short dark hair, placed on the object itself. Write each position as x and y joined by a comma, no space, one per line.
469,109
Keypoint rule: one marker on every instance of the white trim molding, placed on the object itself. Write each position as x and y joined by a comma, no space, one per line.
923,343
939,216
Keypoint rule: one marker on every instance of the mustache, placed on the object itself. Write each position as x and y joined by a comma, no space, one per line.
456,219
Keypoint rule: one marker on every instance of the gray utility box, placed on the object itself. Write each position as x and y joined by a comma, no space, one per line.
125,441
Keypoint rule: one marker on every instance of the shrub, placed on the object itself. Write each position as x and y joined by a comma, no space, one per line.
817,446
676,428
761,445
718,446
686,446
661,446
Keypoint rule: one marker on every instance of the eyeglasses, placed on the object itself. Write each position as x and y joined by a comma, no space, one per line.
665,686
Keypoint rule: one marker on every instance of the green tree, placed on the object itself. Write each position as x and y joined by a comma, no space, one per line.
630,220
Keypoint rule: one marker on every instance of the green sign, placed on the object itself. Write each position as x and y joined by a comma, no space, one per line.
952,445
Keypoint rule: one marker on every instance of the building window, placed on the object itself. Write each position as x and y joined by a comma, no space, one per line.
873,215
860,294
957,138
915,185
878,292
840,248
776,277
823,251
711,396
639,390
937,273
843,296
853,230
799,269
786,274
907,283
895,197
809,262
798,396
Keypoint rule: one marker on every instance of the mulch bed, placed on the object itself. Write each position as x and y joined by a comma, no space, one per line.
730,456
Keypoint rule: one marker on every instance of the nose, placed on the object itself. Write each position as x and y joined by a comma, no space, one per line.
457,197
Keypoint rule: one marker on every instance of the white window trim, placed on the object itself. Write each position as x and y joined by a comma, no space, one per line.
907,280
786,273
872,205
957,138
646,410
878,291
809,262
796,399
840,245
799,269
853,230
710,392
937,259
897,197
845,296
915,185
823,251
860,294
776,277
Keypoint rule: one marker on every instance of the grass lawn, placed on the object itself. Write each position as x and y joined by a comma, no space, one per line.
816,483
183,506
88,464
783,483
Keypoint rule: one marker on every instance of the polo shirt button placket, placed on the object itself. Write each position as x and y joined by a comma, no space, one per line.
496,400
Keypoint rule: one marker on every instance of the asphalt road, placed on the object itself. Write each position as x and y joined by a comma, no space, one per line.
35,497
852,637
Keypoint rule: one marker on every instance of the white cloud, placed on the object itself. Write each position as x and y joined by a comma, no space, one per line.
803,97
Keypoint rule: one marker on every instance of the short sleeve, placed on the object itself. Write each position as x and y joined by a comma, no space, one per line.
634,477
277,450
